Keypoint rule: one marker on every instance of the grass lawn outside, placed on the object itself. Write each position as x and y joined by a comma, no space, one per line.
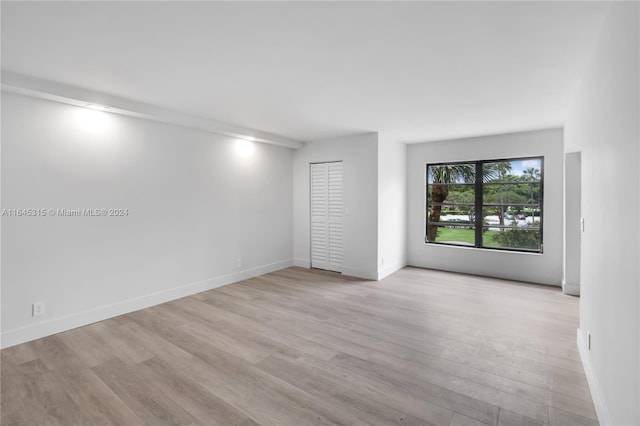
465,236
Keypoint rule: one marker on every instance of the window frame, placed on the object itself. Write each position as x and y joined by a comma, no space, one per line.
479,185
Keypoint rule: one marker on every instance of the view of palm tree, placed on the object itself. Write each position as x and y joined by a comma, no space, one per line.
442,177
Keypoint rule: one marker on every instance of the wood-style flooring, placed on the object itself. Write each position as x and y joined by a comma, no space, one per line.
304,347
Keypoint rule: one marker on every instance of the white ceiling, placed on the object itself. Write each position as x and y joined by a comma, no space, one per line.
419,71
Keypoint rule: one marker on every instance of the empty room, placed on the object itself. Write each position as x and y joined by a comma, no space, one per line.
317,213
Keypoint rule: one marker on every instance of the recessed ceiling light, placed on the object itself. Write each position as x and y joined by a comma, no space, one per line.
97,107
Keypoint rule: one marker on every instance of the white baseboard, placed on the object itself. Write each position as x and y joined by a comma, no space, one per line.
396,266
570,288
303,263
596,394
359,273
58,325
346,270
469,269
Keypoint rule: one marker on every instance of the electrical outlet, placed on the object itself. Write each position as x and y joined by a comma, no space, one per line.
37,309
239,263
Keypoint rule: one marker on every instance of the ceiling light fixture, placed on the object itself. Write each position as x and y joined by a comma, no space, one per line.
244,147
97,107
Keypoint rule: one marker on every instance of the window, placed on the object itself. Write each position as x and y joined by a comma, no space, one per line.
495,204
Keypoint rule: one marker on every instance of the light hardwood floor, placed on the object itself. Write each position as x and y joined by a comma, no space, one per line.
299,347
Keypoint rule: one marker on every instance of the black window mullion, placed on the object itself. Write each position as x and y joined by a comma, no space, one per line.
478,203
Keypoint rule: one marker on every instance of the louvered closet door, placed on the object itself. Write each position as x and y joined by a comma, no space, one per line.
326,216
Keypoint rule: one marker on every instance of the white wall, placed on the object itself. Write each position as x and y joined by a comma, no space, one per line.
603,125
543,268
360,156
195,205
572,226
392,205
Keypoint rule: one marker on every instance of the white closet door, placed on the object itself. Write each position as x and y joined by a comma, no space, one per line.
326,216
319,216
